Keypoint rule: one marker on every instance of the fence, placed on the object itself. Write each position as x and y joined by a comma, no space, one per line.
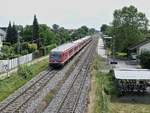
12,63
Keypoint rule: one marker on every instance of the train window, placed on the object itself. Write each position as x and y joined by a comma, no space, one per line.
71,51
55,56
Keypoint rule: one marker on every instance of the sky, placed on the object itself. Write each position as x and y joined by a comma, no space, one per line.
67,13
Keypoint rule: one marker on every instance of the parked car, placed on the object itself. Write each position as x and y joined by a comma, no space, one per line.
133,56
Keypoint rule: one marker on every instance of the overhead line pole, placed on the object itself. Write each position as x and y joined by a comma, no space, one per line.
18,50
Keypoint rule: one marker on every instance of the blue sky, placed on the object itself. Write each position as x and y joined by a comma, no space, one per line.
67,13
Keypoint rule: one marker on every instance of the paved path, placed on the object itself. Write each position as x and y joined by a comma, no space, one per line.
4,75
101,50
121,63
127,64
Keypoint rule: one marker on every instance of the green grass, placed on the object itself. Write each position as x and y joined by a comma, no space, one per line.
106,99
48,97
15,81
102,84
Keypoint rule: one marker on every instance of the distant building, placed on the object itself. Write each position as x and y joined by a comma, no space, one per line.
2,37
2,34
139,47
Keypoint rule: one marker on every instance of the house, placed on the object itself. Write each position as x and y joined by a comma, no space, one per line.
2,34
139,47
2,37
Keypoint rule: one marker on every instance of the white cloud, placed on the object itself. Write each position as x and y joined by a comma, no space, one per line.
69,13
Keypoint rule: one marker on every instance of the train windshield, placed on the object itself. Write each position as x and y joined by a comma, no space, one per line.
55,56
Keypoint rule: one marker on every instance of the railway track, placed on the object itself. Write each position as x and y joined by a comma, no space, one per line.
67,98
17,102
71,99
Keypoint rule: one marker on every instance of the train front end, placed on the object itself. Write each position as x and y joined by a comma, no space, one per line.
55,59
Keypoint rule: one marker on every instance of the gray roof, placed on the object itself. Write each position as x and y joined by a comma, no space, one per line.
66,46
132,74
137,45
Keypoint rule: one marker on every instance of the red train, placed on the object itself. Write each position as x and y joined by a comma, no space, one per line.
60,55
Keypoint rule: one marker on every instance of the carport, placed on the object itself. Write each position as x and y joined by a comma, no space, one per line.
132,80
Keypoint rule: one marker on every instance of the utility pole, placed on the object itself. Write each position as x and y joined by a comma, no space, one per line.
113,62
18,49
113,48
1,43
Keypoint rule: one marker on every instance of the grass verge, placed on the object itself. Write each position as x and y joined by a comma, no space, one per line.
15,81
103,86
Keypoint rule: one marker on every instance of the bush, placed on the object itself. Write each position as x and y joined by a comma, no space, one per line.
45,50
49,47
7,52
25,71
32,47
24,52
145,59
36,54
25,45
42,51
7,43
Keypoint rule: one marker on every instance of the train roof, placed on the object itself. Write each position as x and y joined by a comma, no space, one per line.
66,46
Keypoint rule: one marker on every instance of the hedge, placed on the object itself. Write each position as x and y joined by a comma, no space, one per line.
145,59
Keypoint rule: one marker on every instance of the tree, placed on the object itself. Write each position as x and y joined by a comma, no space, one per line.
26,33
46,35
92,31
104,28
55,27
129,27
80,32
145,59
35,32
14,34
63,35
9,33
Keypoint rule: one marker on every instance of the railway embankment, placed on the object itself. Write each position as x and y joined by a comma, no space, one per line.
15,81
10,72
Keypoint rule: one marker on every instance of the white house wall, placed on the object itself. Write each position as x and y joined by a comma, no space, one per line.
3,34
145,47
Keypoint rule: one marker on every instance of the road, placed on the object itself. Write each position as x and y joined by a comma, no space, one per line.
101,50
129,64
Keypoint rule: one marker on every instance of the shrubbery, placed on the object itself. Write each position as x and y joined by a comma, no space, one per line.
145,59
49,47
7,52
32,47
25,71
46,50
26,48
29,47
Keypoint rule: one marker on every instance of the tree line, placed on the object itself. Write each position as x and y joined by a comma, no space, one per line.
38,38
129,26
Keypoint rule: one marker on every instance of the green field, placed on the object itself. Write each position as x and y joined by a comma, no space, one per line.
15,81
105,94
